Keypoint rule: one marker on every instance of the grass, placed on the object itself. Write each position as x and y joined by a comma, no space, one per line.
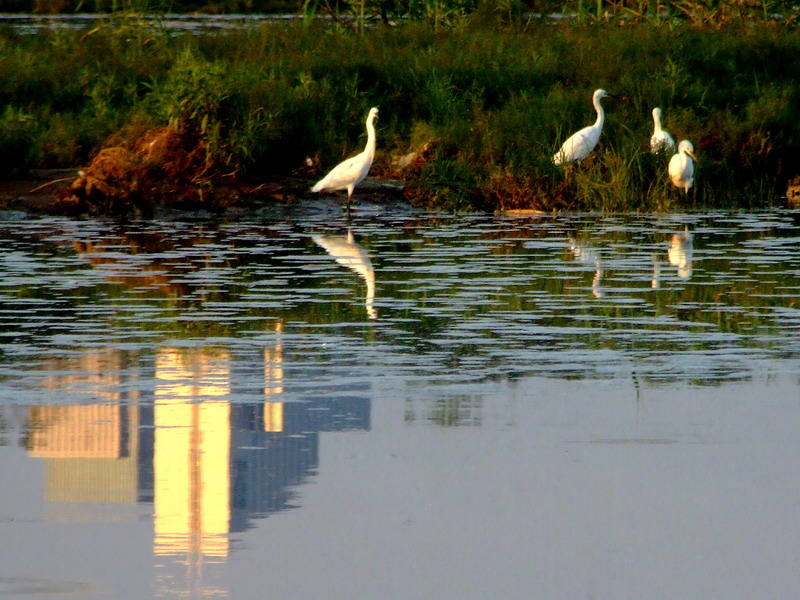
493,101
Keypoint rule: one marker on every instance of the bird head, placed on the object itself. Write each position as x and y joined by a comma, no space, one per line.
373,113
657,113
686,147
601,93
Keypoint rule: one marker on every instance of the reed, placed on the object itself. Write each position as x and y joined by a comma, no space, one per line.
490,98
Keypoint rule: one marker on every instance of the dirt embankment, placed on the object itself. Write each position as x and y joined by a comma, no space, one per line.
163,168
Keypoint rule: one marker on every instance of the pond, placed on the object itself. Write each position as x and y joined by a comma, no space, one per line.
404,405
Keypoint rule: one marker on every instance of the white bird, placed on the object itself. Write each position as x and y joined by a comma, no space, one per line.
579,145
681,167
660,140
349,173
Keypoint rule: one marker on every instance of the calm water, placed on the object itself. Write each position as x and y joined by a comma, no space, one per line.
414,406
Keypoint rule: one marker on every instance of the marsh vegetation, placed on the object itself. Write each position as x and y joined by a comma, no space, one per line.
476,105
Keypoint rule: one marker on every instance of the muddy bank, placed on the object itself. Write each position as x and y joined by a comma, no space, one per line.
41,190
140,173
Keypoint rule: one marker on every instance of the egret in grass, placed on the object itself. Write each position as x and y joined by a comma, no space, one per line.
681,166
579,145
349,173
660,140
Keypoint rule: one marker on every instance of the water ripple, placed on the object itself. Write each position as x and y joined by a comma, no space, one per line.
445,299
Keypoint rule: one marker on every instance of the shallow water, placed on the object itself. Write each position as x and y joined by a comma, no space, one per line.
412,406
30,24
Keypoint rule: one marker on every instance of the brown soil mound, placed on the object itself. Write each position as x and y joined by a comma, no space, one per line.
164,166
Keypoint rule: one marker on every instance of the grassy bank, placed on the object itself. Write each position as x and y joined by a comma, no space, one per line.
490,103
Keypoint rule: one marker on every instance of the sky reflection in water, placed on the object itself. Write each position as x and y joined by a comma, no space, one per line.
573,406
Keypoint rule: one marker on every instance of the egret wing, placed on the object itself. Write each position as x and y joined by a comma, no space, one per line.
342,174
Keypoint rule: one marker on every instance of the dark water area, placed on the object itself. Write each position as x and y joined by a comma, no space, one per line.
405,405
29,24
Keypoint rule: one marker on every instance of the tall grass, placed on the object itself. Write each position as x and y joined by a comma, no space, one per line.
491,101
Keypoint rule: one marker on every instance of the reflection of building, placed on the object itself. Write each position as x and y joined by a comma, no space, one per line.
207,462
266,464
90,451
191,453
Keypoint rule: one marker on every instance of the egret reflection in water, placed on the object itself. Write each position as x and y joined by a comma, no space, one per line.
353,256
655,283
680,253
590,256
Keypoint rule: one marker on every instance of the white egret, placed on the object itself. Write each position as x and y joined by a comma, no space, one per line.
681,167
349,173
660,140
579,145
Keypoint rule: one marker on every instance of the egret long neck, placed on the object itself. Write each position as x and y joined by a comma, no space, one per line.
600,112
657,122
370,149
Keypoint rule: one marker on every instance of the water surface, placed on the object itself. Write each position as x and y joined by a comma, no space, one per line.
407,405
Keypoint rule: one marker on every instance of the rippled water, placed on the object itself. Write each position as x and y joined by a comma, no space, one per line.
30,24
408,405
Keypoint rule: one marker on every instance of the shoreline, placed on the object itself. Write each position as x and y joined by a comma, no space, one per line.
38,192
203,121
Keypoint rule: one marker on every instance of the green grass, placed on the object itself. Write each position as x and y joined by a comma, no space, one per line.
495,101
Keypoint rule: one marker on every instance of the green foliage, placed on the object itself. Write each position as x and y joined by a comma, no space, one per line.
448,184
493,101
17,145
193,89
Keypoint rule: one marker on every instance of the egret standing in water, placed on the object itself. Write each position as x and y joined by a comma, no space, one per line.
681,166
349,173
579,145
660,140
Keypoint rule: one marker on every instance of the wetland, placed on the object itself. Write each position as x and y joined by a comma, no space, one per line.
471,114
502,379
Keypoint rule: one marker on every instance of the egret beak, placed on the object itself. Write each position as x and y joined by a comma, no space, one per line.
690,153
